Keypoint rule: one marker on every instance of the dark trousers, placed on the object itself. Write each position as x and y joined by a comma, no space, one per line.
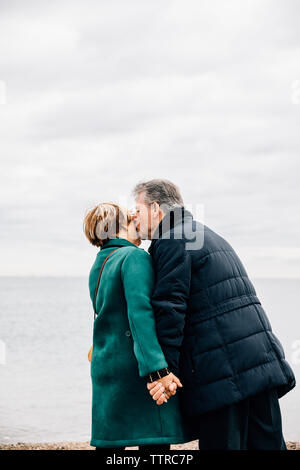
149,448
254,423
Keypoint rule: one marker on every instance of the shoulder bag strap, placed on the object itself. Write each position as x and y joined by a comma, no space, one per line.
97,287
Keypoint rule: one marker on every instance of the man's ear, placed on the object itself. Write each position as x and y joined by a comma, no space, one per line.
156,208
160,213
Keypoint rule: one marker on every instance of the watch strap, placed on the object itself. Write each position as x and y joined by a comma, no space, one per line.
158,374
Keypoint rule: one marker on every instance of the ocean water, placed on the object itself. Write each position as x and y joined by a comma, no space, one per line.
46,332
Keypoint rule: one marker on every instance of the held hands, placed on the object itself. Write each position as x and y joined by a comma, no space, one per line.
164,388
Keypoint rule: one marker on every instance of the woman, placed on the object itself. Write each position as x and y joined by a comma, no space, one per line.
125,345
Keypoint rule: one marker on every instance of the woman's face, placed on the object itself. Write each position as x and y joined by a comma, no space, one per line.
133,234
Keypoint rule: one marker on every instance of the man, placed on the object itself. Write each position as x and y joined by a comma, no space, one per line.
212,328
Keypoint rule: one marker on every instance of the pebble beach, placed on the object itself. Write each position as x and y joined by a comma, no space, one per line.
193,445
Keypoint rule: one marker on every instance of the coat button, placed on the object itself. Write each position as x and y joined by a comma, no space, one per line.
127,333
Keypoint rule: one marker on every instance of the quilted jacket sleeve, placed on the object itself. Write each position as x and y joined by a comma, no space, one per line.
172,265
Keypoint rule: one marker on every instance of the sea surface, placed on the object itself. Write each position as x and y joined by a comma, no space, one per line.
45,334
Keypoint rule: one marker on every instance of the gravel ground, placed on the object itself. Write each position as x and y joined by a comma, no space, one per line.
85,446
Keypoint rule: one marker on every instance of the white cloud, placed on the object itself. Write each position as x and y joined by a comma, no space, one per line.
103,94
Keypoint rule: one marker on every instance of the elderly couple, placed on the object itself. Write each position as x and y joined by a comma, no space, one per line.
182,347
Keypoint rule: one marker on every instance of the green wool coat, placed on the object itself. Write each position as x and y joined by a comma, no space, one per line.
125,350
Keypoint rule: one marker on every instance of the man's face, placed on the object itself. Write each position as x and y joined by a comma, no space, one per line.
146,221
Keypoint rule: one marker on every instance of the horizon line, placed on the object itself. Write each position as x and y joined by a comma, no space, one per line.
87,275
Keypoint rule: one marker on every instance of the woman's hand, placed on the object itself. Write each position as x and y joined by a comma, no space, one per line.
157,392
164,388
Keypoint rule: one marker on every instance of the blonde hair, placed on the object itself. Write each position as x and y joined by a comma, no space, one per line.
104,221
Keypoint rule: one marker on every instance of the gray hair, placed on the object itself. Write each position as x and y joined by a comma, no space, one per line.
162,191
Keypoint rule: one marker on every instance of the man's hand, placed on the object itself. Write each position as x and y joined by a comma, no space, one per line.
164,388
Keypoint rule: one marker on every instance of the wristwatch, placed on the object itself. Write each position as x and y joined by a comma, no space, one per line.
159,374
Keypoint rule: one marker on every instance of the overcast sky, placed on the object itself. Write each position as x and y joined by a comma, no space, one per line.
97,95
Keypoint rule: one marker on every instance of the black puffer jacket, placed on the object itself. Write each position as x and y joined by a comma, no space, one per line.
212,327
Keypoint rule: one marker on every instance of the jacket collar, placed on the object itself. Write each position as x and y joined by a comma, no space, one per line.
114,242
175,216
